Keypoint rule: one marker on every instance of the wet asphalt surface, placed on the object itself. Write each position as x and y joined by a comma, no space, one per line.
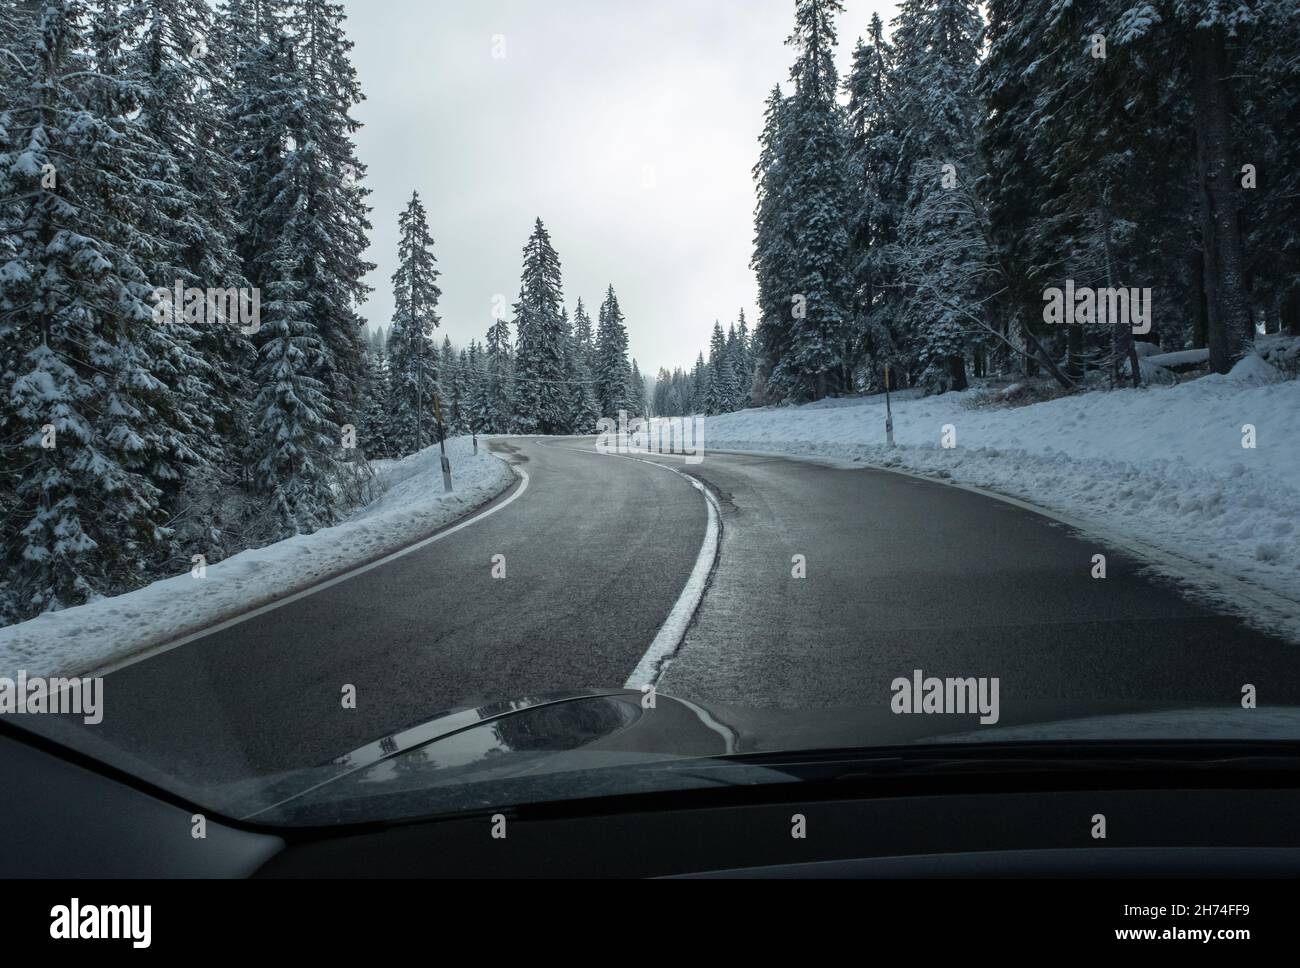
899,574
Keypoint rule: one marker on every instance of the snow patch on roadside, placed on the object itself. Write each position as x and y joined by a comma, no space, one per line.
1162,466
411,506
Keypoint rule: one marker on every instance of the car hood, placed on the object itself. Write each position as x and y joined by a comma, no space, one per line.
594,743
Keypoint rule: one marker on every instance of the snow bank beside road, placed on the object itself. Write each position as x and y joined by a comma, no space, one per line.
411,506
1160,466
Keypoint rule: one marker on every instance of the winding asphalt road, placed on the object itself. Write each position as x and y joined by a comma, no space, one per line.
900,574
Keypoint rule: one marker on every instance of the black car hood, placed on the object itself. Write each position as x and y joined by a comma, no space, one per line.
594,743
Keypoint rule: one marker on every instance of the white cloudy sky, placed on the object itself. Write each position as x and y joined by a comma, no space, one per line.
629,126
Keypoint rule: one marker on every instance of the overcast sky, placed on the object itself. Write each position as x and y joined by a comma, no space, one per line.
629,126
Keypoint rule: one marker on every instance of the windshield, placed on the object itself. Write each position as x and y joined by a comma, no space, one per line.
416,407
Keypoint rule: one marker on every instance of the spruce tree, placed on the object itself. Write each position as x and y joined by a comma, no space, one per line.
583,412
879,187
940,234
91,425
540,405
456,401
412,360
721,392
474,383
583,335
814,149
291,410
773,260
697,397
743,364
498,403
373,432
336,222
612,369
181,81
636,395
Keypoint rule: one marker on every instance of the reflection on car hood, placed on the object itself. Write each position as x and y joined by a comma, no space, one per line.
612,742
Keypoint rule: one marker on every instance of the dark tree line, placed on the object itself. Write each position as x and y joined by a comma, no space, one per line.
555,375
147,147
915,215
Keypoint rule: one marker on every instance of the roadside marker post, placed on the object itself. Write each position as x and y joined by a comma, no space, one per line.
442,444
889,414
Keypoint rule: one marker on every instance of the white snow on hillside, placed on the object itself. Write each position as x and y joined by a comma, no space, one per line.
412,505
1159,468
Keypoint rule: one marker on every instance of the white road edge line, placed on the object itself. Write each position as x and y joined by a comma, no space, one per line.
671,633
296,596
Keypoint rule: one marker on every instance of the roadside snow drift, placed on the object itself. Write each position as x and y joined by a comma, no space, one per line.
1160,469
411,506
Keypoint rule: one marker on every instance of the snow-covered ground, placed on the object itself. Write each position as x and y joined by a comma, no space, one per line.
412,504
1159,469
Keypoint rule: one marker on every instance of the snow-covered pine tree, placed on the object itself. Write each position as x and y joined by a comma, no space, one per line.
584,336
1016,183
91,430
1271,109
582,411
736,362
337,222
879,187
612,368
266,116
373,430
498,403
814,149
1077,199
168,350
456,405
540,405
721,391
697,398
295,436
660,398
636,395
412,359
773,259
474,384
446,386
586,412
937,50
181,80
743,365
1199,39
244,27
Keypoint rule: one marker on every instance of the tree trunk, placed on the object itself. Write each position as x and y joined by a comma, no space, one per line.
1291,312
1227,315
1074,351
957,370
1200,323
1274,315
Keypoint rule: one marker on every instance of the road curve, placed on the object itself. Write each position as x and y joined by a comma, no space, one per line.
595,552
901,574
904,573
